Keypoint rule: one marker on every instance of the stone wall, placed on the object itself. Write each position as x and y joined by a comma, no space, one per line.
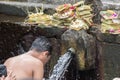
110,45
108,48
16,39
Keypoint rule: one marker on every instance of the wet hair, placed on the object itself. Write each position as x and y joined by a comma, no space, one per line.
41,44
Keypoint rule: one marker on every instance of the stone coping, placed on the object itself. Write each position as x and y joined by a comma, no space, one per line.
105,37
22,28
110,38
21,8
110,5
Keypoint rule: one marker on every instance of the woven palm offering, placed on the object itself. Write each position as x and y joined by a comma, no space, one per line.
110,22
38,18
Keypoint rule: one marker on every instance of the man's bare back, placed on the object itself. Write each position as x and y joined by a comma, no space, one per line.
30,65
25,66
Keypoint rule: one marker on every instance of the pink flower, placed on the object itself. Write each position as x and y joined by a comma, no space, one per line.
111,30
72,7
114,14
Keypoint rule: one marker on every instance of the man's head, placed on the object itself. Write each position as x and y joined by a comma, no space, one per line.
42,46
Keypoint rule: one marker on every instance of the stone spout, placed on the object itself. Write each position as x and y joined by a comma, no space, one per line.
84,45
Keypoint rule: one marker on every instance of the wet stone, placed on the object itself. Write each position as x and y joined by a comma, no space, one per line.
13,36
111,60
108,54
16,39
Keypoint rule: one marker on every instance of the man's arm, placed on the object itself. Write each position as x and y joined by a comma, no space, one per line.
38,72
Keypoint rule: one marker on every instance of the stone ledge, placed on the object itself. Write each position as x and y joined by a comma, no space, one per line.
21,8
110,5
105,37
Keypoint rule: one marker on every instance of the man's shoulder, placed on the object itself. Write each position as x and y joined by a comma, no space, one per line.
8,60
31,61
36,62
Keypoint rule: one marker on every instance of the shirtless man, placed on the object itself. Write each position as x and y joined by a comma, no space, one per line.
30,65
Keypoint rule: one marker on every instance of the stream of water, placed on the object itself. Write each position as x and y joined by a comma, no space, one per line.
61,67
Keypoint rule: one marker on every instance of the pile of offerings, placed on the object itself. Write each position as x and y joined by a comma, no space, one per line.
110,22
83,17
38,18
77,16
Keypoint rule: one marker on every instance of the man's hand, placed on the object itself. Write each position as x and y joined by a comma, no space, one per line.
10,76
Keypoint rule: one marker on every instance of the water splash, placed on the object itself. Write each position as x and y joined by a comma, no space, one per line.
61,66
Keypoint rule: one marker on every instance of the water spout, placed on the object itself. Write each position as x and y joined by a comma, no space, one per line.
62,65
